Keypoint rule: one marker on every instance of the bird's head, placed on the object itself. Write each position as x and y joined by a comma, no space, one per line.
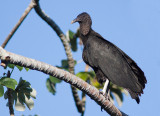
85,22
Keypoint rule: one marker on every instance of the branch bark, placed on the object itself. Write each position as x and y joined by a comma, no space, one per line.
79,104
91,91
26,12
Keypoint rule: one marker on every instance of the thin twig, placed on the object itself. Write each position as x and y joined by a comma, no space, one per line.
10,97
91,91
26,12
67,48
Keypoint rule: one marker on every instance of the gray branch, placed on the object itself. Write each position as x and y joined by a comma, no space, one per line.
91,91
80,106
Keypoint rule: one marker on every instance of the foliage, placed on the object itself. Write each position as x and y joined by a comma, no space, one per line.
52,81
64,64
8,82
73,40
51,84
116,92
1,90
20,68
22,95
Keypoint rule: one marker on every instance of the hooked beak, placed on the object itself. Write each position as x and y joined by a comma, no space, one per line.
75,20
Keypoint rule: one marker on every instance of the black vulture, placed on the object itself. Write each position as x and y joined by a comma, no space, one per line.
108,61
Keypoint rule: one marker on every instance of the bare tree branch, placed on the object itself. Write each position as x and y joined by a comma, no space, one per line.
67,48
26,12
91,91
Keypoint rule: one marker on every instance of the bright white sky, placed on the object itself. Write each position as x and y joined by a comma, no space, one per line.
133,25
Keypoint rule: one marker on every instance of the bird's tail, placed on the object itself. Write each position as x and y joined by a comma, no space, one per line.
134,95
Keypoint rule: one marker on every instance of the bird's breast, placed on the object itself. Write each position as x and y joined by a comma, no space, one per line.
85,56
89,56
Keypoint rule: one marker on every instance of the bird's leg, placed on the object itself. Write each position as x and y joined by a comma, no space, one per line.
106,91
108,94
105,88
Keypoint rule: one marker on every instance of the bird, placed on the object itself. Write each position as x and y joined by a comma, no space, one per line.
109,62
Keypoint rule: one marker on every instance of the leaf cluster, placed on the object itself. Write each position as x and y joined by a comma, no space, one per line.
116,92
22,95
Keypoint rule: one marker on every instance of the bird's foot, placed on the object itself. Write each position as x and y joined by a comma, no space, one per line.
107,97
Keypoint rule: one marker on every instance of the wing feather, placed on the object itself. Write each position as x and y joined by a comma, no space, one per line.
114,63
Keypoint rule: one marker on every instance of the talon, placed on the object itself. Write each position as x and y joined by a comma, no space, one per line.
101,109
101,92
107,97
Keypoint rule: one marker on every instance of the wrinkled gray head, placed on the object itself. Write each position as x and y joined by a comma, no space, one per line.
85,22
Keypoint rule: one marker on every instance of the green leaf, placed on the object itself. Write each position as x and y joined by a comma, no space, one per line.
29,102
22,95
8,82
125,92
71,34
24,87
27,69
117,90
19,67
21,82
86,75
19,106
11,66
33,93
26,84
25,92
1,90
83,75
118,99
50,86
73,41
95,83
54,79
64,64
90,77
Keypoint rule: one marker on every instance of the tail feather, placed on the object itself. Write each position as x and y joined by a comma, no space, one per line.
134,95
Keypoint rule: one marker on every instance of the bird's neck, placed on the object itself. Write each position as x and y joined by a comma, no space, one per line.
85,37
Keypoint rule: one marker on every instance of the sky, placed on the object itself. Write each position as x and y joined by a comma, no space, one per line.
132,25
